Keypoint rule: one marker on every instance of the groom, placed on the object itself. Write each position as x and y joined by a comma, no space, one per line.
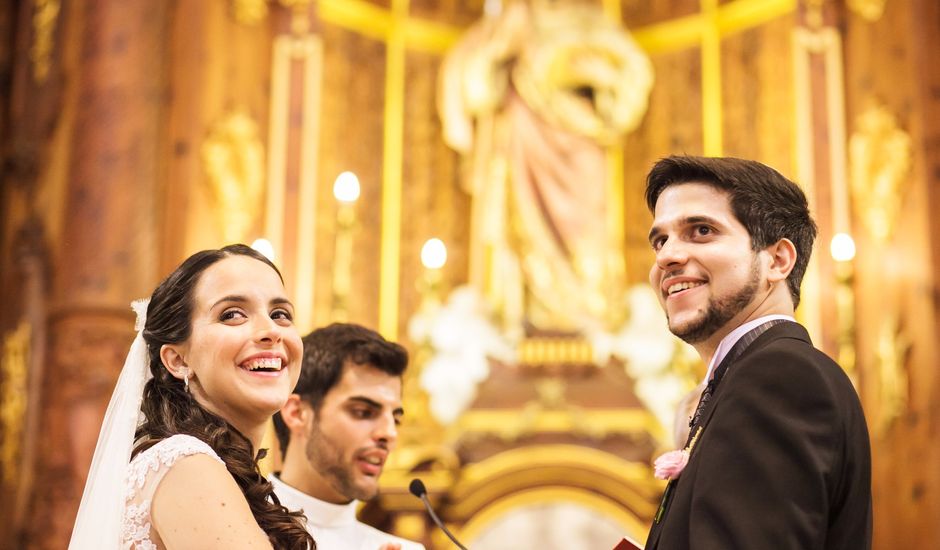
778,454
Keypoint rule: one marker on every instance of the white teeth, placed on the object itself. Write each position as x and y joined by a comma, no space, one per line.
272,363
373,460
672,289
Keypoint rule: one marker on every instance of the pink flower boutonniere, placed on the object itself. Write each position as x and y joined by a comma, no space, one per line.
671,464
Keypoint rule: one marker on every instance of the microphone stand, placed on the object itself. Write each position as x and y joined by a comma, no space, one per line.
417,489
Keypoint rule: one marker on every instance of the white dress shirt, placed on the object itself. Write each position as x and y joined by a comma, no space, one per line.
334,526
732,338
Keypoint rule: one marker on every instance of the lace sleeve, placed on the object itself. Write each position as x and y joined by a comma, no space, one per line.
144,475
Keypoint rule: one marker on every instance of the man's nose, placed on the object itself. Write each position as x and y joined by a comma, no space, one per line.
671,253
386,429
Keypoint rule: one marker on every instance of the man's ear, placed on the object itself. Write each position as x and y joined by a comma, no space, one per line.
297,415
782,259
172,357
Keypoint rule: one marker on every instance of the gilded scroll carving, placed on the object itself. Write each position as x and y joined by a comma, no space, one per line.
880,159
249,12
870,10
233,160
891,354
13,373
45,15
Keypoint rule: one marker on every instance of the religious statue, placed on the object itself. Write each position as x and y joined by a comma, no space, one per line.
530,98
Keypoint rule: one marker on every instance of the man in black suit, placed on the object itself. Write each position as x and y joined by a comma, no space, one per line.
778,454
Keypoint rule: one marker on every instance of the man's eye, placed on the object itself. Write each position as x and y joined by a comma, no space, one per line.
658,242
703,230
362,413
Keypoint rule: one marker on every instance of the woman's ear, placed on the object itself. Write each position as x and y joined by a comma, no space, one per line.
782,259
297,414
172,357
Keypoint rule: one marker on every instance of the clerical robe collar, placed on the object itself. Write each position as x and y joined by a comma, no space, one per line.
732,338
319,513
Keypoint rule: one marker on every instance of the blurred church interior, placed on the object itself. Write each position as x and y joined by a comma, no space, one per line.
465,177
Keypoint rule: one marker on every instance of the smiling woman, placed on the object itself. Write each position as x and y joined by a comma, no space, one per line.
223,356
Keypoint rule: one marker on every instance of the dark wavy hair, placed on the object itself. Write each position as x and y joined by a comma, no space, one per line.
768,205
169,410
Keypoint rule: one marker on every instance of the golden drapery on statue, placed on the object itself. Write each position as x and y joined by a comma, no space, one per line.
531,97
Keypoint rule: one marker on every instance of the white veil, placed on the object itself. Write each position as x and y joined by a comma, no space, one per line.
98,524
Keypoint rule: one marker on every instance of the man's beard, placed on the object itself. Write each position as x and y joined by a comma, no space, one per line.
720,310
327,460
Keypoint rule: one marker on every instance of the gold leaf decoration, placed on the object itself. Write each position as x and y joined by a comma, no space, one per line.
880,160
870,10
13,369
233,160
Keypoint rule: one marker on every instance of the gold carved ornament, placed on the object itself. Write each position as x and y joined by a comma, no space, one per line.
254,11
880,161
45,15
249,12
870,10
233,160
13,379
891,355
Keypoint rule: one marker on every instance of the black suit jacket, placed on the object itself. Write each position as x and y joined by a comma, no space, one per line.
783,459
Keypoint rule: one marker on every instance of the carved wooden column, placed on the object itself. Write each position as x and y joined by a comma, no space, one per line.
106,253
893,105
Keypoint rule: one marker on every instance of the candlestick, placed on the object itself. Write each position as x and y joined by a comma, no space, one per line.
346,190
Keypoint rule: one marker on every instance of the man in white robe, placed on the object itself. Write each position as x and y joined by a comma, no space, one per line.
337,430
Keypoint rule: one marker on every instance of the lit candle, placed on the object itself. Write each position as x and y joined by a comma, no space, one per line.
346,188
434,254
842,247
346,191
264,247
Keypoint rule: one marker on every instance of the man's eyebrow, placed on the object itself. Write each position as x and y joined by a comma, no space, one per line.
366,401
700,219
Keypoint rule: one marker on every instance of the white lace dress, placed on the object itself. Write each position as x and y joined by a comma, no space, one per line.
144,475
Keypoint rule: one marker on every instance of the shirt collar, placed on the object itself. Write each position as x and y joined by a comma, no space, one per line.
319,513
732,338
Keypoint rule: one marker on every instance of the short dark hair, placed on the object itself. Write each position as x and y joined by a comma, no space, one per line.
768,205
326,352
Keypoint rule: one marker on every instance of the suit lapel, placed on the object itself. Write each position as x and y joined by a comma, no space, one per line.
750,343
781,330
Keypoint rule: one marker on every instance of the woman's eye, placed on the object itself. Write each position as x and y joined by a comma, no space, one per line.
231,314
282,314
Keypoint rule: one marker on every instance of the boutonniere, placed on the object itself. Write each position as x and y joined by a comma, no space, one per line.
670,465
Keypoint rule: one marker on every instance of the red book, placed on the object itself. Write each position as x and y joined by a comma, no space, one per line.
628,544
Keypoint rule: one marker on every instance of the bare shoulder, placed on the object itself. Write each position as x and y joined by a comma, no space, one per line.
199,505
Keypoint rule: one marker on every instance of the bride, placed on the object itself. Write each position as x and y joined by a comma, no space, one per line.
176,461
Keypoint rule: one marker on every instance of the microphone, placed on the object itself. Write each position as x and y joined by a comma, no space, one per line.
417,489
